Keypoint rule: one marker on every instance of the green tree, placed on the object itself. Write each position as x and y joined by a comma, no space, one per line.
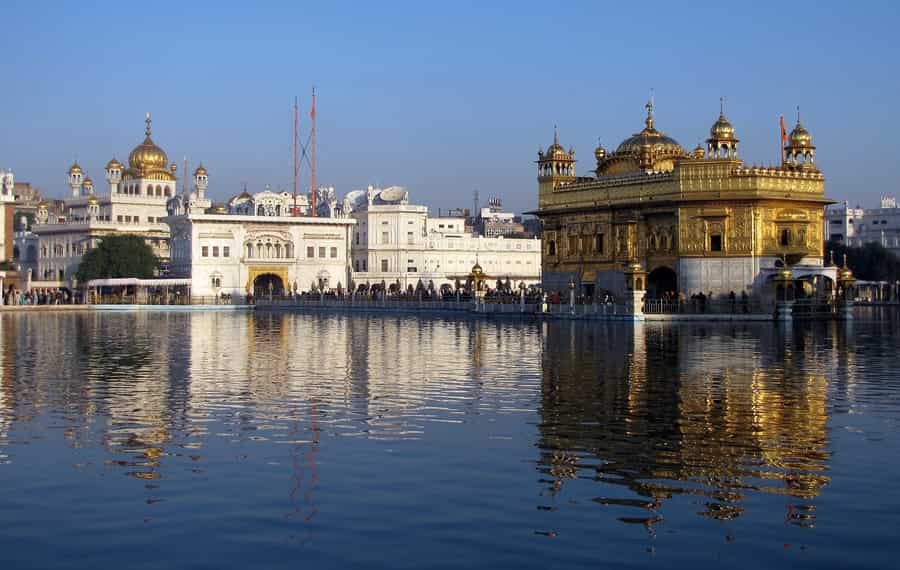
869,262
118,256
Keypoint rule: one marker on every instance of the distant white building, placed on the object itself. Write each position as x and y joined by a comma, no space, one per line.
396,242
7,209
254,245
857,226
135,203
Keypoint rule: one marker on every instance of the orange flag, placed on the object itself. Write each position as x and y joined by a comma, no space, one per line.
784,137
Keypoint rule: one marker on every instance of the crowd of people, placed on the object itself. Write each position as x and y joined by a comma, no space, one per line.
17,297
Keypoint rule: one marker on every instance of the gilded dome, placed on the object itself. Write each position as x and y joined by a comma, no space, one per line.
114,164
800,136
88,181
659,143
75,168
200,171
556,150
147,157
721,129
599,152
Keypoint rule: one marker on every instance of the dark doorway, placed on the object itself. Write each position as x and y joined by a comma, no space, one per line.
266,283
661,281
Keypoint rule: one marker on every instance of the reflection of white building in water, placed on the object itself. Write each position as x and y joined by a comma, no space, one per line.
395,241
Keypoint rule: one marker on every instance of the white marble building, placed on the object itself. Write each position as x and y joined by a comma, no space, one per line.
857,226
395,241
7,209
228,253
135,203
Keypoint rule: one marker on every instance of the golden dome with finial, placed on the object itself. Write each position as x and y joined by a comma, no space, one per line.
556,150
659,142
646,151
599,152
200,171
88,181
147,158
800,137
75,168
722,130
114,163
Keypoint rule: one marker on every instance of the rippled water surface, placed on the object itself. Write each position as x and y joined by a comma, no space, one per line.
234,440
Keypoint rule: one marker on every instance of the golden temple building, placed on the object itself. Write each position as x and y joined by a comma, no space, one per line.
699,221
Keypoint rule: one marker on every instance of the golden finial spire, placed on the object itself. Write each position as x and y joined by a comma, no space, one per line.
798,114
722,106
555,136
649,107
147,122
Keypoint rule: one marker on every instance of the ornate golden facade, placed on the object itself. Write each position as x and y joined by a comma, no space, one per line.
696,221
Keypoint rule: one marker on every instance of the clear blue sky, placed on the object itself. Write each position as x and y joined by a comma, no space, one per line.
443,98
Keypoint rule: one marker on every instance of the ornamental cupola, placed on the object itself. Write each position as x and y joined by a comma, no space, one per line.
722,142
800,153
556,166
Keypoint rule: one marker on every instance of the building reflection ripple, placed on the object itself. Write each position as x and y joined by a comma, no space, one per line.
714,412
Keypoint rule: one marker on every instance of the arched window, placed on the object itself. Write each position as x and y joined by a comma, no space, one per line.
288,250
249,250
551,247
168,191
277,251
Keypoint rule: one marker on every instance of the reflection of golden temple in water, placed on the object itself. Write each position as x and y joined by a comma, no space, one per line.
717,414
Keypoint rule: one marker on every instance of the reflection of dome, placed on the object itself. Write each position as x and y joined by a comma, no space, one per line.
93,201
800,136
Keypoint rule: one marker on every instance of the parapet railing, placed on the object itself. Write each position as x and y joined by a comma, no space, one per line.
706,306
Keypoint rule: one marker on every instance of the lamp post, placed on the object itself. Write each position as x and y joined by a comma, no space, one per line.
572,296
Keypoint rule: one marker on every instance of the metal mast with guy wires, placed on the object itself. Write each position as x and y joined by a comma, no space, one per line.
295,212
312,116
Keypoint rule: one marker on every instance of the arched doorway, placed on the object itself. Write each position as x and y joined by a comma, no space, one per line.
267,282
661,281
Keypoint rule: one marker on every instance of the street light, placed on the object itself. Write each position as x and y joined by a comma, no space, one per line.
572,294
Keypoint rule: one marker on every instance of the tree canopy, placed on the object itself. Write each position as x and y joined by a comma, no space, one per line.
870,262
118,256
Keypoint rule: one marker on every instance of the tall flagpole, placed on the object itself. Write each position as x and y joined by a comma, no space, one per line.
295,212
312,116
